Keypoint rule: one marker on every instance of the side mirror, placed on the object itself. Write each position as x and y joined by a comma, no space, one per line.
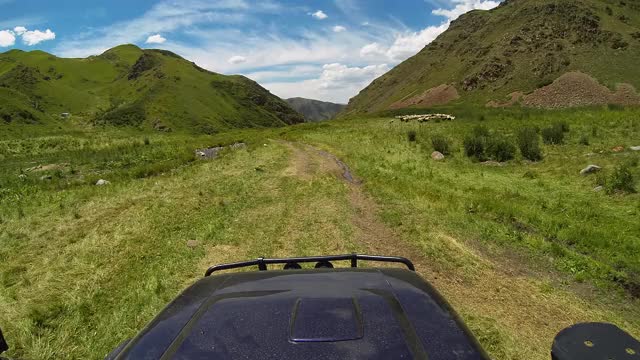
3,344
594,341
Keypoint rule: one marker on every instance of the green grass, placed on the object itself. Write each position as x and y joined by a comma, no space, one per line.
83,267
545,208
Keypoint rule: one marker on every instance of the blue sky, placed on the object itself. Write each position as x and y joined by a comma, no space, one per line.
323,49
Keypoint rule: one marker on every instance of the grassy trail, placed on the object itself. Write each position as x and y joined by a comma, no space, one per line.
85,268
514,312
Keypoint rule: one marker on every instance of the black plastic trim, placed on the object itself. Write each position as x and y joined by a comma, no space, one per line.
262,262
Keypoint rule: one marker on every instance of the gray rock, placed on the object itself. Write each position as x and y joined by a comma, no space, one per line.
208,153
192,244
212,152
598,188
238,146
46,177
635,148
491,163
102,182
437,155
590,170
22,176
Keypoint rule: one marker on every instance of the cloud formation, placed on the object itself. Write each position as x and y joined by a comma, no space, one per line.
20,30
155,39
320,15
34,37
303,57
237,59
7,38
29,37
339,28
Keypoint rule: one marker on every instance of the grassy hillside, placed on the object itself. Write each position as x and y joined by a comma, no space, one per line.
130,86
518,47
521,249
315,110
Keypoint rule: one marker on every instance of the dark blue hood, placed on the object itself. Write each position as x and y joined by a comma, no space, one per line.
307,314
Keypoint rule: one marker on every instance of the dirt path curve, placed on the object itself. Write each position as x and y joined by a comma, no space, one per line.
514,315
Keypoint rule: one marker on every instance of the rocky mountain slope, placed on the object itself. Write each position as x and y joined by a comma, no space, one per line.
539,53
130,86
315,110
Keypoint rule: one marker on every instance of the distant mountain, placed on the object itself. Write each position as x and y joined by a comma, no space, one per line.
538,53
315,110
129,86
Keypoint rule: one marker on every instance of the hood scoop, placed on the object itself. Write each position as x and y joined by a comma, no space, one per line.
326,320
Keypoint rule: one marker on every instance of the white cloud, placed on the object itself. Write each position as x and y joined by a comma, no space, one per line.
410,43
339,28
155,39
20,30
313,62
320,15
372,50
7,38
337,75
463,6
34,37
237,59
336,83
164,17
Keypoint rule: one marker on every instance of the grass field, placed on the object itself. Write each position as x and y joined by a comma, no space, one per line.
521,250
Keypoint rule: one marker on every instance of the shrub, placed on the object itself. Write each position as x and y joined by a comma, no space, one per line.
562,125
441,144
474,147
529,144
621,180
553,135
411,135
481,131
500,149
584,140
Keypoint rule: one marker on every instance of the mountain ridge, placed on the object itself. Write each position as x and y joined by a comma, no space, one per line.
519,46
127,85
315,110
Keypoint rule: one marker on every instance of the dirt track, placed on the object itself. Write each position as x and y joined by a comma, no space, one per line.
503,302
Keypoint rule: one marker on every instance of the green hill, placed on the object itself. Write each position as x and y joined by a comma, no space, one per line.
502,56
315,110
130,86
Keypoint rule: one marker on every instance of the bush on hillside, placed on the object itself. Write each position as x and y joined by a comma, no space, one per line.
584,140
474,147
529,144
553,135
482,144
411,135
562,125
481,131
621,180
441,144
500,149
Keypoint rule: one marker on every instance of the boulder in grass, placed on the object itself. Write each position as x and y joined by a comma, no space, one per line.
192,244
635,148
102,182
590,170
437,155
